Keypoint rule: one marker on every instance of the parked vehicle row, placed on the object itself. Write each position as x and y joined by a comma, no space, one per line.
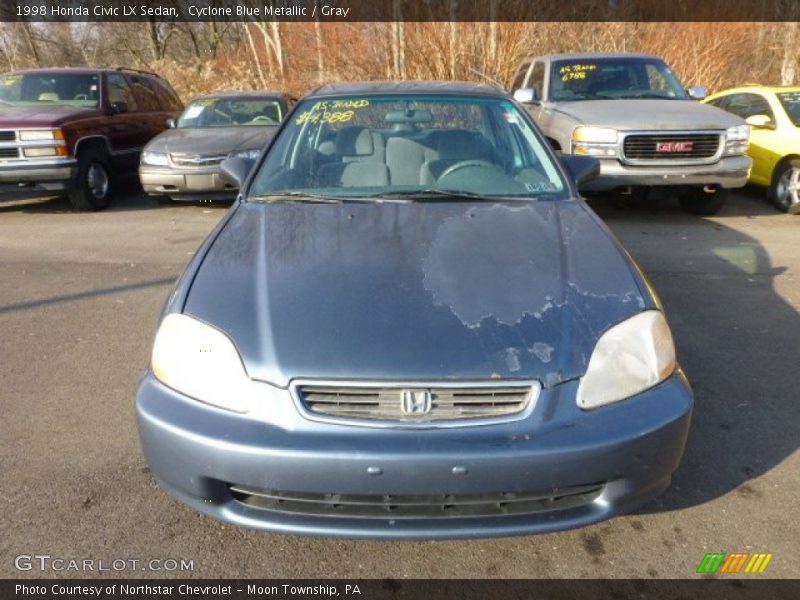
73,130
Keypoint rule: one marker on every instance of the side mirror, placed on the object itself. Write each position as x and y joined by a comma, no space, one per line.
582,169
117,108
697,92
170,123
526,96
236,170
760,122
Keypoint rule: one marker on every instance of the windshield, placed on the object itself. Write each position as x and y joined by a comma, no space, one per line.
604,78
379,145
231,112
791,104
38,89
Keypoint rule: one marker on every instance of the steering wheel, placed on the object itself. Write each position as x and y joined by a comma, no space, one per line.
467,164
262,119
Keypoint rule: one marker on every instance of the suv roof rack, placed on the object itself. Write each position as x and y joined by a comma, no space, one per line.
140,71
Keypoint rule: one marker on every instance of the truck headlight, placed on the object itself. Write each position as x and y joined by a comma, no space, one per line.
595,141
157,159
629,358
41,135
737,140
200,361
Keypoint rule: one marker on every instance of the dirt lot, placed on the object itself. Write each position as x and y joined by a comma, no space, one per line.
79,298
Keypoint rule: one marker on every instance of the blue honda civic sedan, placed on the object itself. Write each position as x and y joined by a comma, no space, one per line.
410,325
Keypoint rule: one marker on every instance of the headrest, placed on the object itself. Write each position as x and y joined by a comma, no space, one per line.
49,97
462,145
354,141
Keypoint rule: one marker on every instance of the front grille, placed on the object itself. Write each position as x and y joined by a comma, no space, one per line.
416,507
9,152
8,136
196,160
646,146
387,403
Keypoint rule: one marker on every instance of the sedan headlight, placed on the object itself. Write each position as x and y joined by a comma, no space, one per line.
251,154
157,159
200,361
629,358
595,141
737,140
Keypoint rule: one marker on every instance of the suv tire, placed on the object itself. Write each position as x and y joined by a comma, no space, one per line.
784,192
700,202
92,187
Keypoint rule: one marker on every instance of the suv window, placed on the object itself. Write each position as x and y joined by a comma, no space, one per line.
169,99
536,80
519,78
120,91
145,96
747,105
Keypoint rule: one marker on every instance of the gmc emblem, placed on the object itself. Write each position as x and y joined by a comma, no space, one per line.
674,146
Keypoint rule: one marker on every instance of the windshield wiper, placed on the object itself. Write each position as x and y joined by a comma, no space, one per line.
436,194
295,197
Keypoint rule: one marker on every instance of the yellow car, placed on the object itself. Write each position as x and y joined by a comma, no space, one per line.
773,113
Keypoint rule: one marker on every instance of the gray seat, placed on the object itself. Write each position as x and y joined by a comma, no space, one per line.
454,147
405,158
359,160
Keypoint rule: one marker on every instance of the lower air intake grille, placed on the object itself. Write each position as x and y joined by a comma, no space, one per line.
416,404
417,507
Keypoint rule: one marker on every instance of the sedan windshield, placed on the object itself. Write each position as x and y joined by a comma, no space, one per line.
791,104
418,146
231,112
43,88
605,78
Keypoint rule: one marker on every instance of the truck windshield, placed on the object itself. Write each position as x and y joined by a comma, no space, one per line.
36,89
396,145
231,112
611,78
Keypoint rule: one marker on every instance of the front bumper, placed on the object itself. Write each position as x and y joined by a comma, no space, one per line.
728,172
632,447
46,175
186,184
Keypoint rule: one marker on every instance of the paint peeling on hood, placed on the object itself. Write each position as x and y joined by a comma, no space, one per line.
417,291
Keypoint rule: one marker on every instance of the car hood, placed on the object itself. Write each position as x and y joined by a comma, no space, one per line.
648,114
46,115
216,140
418,291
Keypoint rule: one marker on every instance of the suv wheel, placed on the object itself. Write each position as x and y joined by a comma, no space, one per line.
785,189
698,201
92,188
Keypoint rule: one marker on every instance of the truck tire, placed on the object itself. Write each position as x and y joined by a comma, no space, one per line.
785,189
92,187
700,202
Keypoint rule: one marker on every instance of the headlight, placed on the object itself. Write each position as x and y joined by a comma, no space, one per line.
629,358
594,141
158,159
201,361
737,139
38,135
44,151
252,154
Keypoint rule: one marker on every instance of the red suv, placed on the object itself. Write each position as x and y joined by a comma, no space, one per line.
71,130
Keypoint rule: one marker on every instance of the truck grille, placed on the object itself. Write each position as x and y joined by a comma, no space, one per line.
198,161
442,403
9,152
8,136
416,507
672,146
